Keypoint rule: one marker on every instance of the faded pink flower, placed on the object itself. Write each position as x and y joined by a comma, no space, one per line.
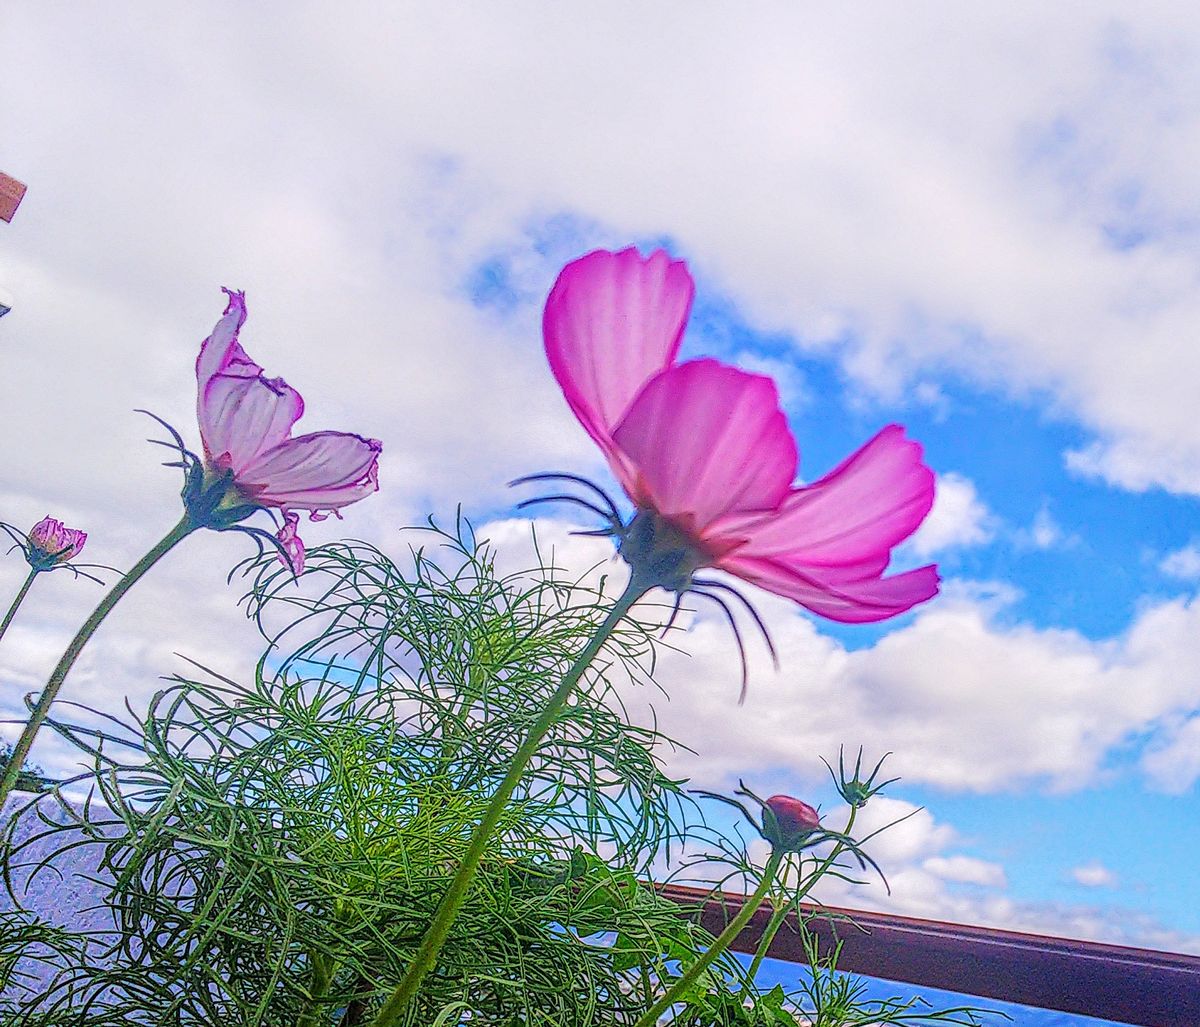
246,424
52,544
705,453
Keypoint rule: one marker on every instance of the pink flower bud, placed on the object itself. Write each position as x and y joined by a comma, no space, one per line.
51,543
793,817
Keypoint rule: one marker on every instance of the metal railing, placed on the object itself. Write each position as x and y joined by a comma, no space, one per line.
1112,982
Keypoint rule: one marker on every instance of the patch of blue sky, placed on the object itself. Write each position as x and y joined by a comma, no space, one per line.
1145,838
491,285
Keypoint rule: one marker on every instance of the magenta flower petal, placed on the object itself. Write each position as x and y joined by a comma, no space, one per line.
708,440
318,472
613,321
793,816
292,544
871,502
832,593
242,417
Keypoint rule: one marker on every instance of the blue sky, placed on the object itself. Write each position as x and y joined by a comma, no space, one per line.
981,223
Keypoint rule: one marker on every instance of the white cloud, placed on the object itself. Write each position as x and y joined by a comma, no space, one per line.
966,870
1045,533
350,170
966,224
965,701
965,698
1182,563
1172,763
933,397
959,518
1093,875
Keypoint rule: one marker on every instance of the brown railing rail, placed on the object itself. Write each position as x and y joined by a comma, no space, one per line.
1135,986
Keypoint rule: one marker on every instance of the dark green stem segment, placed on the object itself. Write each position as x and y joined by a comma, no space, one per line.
323,969
42,710
780,913
435,937
724,940
16,603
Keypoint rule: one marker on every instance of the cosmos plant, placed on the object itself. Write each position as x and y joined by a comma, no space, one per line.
397,822
704,453
251,462
273,844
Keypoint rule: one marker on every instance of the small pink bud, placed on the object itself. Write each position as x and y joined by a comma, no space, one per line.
51,543
793,816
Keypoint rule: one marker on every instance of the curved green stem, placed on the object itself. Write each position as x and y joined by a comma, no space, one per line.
781,911
724,940
42,710
16,603
435,936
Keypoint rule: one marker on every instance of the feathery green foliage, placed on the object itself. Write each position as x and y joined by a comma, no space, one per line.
272,850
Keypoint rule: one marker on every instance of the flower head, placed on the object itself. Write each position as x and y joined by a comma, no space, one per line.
705,453
790,825
788,821
50,544
251,459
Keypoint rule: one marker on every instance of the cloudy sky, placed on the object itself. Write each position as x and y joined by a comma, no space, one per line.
981,222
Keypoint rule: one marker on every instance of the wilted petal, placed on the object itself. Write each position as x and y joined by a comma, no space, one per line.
292,544
613,321
243,417
221,353
323,471
869,503
707,440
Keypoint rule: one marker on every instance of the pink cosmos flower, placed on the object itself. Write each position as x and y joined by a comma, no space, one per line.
246,424
52,544
705,453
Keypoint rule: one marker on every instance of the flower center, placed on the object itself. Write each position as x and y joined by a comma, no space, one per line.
213,499
660,552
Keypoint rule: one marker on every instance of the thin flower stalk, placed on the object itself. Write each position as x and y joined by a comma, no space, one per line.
41,709
22,592
48,546
395,1006
726,938
781,910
